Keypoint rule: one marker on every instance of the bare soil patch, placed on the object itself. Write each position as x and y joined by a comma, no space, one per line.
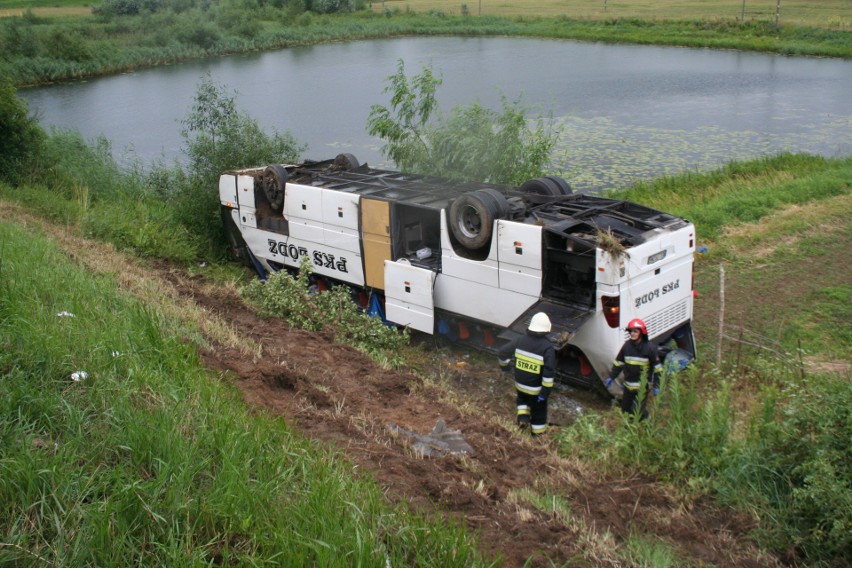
333,393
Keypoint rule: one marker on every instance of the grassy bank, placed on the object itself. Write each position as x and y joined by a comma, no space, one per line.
147,460
37,50
762,428
780,226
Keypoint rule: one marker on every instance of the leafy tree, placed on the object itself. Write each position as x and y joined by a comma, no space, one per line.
218,137
404,125
474,143
129,7
332,6
477,143
18,38
21,137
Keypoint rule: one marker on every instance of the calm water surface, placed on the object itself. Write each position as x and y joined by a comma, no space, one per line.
626,112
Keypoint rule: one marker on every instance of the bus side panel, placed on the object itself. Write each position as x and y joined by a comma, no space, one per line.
409,298
228,190
335,263
480,301
519,256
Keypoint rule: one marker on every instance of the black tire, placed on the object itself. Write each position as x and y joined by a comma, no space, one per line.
274,182
499,200
563,185
346,162
472,218
541,186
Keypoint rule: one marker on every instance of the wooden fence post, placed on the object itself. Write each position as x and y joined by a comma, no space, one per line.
721,314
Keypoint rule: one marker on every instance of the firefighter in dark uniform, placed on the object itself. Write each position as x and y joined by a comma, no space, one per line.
640,362
535,368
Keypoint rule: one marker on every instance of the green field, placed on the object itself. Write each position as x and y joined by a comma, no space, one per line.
836,14
827,13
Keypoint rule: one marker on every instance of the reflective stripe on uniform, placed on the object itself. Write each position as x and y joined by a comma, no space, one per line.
523,409
529,362
547,382
643,364
538,428
526,389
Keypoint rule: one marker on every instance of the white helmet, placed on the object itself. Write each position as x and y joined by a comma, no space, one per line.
540,323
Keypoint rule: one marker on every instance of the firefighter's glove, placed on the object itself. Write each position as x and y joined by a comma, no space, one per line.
608,382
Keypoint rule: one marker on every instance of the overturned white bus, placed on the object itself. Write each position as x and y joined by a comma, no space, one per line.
474,261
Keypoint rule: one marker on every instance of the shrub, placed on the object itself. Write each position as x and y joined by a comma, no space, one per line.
202,34
132,7
475,143
68,45
292,299
17,38
217,138
800,464
332,6
21,138
69,161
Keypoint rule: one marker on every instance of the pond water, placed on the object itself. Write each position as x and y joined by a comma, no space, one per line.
626,112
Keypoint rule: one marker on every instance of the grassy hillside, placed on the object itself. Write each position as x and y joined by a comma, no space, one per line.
780,228
117,448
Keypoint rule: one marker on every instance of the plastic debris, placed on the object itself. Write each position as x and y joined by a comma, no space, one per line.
438,443
65,314
701,249
116,353
78,376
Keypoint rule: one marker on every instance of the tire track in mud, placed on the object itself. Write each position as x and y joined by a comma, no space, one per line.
334,393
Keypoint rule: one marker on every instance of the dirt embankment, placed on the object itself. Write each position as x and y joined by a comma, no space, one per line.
335,394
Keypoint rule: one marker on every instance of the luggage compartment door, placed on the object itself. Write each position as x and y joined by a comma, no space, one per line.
409,296
375,229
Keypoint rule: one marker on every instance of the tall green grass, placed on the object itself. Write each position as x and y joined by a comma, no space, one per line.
786,460
742,192
150,461
78,183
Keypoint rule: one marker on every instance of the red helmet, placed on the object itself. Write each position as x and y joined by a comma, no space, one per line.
637,324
